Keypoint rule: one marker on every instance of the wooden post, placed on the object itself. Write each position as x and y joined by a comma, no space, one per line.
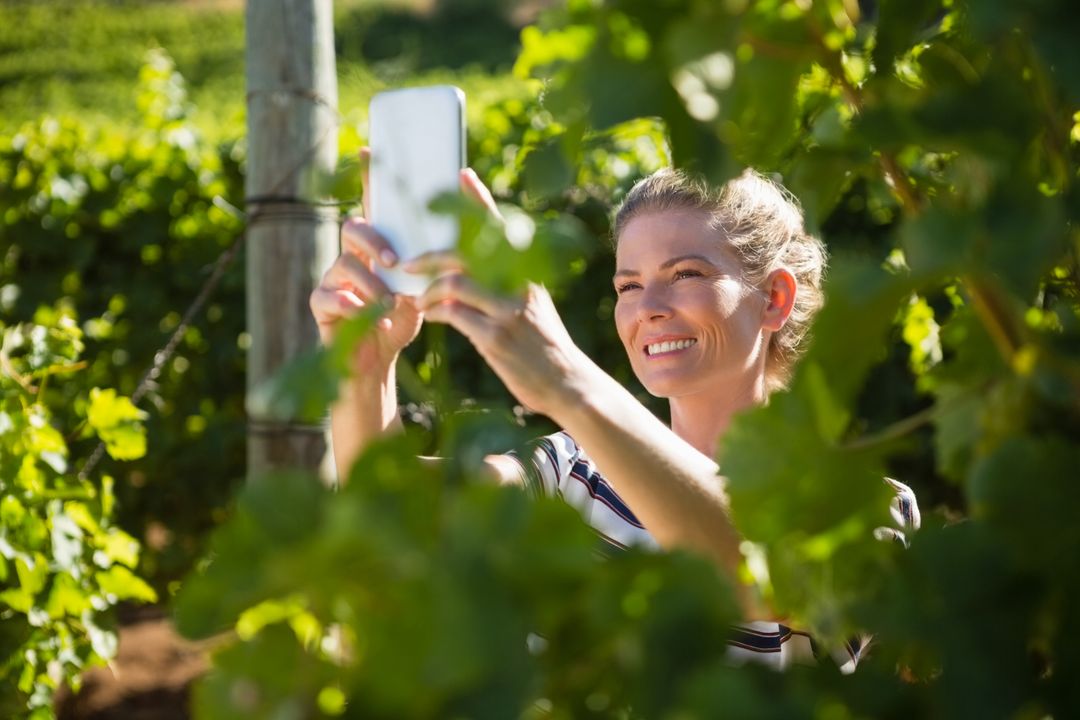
292,123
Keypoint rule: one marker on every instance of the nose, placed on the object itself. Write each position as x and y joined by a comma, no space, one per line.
654,303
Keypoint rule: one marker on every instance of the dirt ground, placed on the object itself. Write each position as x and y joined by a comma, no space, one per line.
149,679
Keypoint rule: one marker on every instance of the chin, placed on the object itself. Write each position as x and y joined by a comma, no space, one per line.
666,387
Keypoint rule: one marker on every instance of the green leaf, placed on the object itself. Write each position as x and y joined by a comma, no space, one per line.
17,599
43,439
1025,490
120,547
921,332
958,421
12,512
106,409
66,598
819,178
32,572
901,25
934,607
255,618
543,51
302,390
305,387
123,584
506,252
848,336
547,170
794,486
118,423
279,679
14,632
277,513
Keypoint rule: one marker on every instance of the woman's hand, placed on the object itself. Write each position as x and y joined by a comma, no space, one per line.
522,339
351,284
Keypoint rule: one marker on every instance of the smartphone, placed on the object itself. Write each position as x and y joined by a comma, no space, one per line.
417,140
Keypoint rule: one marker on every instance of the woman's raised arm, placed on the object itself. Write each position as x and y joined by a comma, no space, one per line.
367,402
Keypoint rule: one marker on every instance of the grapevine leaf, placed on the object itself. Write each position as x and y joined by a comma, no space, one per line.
506,252
66,598
120,547
123,584
1024,489
118,423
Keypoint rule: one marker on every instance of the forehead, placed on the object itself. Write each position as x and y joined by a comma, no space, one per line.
651,238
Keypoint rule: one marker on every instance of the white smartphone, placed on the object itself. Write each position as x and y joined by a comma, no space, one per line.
417,139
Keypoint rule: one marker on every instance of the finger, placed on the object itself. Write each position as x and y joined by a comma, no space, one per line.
365,178
359,238
468,321
459,289
350,273
436,262
328,305
472,185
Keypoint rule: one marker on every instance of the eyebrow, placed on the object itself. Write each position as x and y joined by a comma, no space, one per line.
667,264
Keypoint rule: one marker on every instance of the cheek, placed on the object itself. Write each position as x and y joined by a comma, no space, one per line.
708,308
624,325
724,305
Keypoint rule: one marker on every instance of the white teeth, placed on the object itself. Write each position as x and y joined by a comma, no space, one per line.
657,348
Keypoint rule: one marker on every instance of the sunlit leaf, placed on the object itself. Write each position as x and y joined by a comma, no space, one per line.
125,585
118,423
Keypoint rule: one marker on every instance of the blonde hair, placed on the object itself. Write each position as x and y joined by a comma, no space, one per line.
764,224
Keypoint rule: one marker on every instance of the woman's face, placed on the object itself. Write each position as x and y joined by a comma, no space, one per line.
685,315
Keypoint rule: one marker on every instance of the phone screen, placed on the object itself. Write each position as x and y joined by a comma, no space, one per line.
417,151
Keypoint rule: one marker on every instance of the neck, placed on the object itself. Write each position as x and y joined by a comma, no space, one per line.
701,419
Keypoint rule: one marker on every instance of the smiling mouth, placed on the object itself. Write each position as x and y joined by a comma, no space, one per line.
668,347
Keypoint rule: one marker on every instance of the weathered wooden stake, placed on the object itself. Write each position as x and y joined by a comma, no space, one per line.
292,145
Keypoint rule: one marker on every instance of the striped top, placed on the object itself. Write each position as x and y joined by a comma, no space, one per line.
558,467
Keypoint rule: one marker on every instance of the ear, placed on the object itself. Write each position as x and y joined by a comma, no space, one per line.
780,289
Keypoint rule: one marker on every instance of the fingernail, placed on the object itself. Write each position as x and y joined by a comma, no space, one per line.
388,257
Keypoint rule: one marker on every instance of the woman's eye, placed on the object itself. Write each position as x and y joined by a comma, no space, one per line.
619,290
687,273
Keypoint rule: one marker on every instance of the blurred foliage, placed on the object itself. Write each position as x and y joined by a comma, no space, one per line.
934,146
351,602
64,564
120,225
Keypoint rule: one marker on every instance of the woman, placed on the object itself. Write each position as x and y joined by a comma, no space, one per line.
714,296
